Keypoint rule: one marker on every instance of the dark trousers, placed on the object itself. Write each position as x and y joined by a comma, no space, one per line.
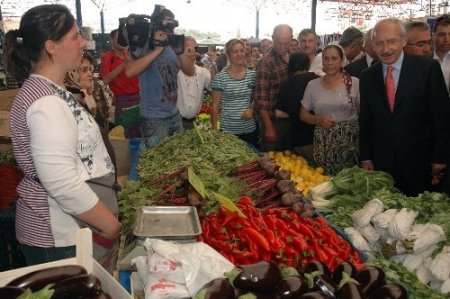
39,255
251,138
283,128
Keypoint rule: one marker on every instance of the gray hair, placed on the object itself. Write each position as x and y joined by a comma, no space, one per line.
368,36
351,35
191,38
422,26
306,31
390,20
281,28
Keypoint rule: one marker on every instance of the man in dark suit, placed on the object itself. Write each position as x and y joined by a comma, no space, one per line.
358,65
405,112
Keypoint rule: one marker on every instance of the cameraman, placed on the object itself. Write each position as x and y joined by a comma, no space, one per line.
157,70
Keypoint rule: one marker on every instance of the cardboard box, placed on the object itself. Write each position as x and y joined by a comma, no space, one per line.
6,99
83,258
4,124
123,159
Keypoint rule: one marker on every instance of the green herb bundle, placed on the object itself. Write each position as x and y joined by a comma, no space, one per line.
397,273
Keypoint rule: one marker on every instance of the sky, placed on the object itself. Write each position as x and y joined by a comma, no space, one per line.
229,18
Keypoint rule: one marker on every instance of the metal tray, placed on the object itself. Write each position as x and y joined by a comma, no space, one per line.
176,222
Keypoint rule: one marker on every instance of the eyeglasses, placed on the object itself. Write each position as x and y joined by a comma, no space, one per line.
422,44
86,69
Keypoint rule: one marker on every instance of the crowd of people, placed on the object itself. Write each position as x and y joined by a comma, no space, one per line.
377,99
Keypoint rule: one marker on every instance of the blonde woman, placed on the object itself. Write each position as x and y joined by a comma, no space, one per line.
232,90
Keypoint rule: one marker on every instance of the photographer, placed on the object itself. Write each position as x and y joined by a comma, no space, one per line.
157,69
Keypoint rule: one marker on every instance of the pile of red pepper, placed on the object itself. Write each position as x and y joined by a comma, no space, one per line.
205,108
279,235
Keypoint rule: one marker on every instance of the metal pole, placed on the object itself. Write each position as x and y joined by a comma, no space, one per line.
313,14
78,9
102,26
1,16
257,23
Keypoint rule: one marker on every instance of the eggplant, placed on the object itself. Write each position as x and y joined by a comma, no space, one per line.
350,291
219,288
316,266
37,280
315,295
390,291
101,295
292,287
257,296
10,292
344,267
370,278
349,288
262,277
80,286
324,284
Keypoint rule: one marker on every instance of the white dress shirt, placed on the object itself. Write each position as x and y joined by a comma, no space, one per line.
445,67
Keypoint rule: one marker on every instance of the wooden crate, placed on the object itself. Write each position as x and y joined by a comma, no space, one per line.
83,258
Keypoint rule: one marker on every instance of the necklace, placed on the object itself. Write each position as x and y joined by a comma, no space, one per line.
192,91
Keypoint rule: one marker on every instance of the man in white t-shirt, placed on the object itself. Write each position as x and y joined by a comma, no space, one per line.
307,39
190,88
442,45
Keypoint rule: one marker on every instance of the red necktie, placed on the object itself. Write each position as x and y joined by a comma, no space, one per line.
390,87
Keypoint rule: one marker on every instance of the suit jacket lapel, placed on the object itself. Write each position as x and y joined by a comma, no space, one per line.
380,86
406,75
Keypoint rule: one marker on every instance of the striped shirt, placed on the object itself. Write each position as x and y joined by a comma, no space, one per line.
236,97
58,145
271,71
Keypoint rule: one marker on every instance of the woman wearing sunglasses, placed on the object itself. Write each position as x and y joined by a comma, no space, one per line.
94,94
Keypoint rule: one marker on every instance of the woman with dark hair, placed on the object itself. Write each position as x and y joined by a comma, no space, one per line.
334,100
289,101
126,90
56,142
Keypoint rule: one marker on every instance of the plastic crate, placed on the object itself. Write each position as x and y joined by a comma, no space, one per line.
10,254
83,258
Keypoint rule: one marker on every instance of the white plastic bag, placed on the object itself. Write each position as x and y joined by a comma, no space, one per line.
200,262
426,236
412,262
440,265
423,273
382,220
163,268
401,224
445,287
361,218
359,242
370,234
154,287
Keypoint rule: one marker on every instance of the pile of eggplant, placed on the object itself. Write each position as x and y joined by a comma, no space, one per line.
71,281
265,280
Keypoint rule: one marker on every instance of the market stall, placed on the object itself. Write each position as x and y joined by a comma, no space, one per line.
274,208
203,210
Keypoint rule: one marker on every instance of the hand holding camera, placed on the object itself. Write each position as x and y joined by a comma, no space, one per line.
157,30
